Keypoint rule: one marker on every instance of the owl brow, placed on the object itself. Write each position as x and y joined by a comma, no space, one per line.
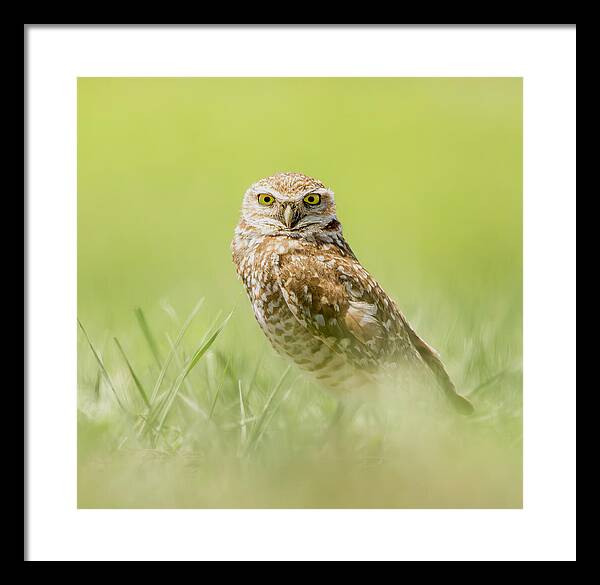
318,191
259,190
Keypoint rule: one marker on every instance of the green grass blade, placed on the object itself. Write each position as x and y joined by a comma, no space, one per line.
243,430
260,425
218,392
191,400
180,335
253,378
204,347
488,382
169,310
136,380
168,403
143,323
191,404
271,414
102,367
269,418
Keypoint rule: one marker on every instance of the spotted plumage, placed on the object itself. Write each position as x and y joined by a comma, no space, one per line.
313,299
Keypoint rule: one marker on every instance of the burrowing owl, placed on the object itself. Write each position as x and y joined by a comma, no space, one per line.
312,297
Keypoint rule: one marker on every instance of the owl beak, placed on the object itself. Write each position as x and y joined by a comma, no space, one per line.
288,216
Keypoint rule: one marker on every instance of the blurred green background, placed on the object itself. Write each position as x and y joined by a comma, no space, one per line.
427,174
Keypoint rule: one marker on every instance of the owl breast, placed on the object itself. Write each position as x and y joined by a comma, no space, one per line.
259,270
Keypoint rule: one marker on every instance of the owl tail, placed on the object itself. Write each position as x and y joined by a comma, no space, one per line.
461,404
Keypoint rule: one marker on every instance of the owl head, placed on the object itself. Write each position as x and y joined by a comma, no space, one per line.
290,203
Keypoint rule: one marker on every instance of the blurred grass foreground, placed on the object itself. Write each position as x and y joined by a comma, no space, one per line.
181,401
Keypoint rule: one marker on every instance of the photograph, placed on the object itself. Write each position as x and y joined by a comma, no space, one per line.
299,292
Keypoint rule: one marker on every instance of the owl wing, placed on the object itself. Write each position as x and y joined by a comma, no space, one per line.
337,300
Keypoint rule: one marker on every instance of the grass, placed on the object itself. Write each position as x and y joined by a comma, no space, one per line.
221,431
182,403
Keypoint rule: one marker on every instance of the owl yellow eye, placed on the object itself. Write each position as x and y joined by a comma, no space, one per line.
312,199
266,199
